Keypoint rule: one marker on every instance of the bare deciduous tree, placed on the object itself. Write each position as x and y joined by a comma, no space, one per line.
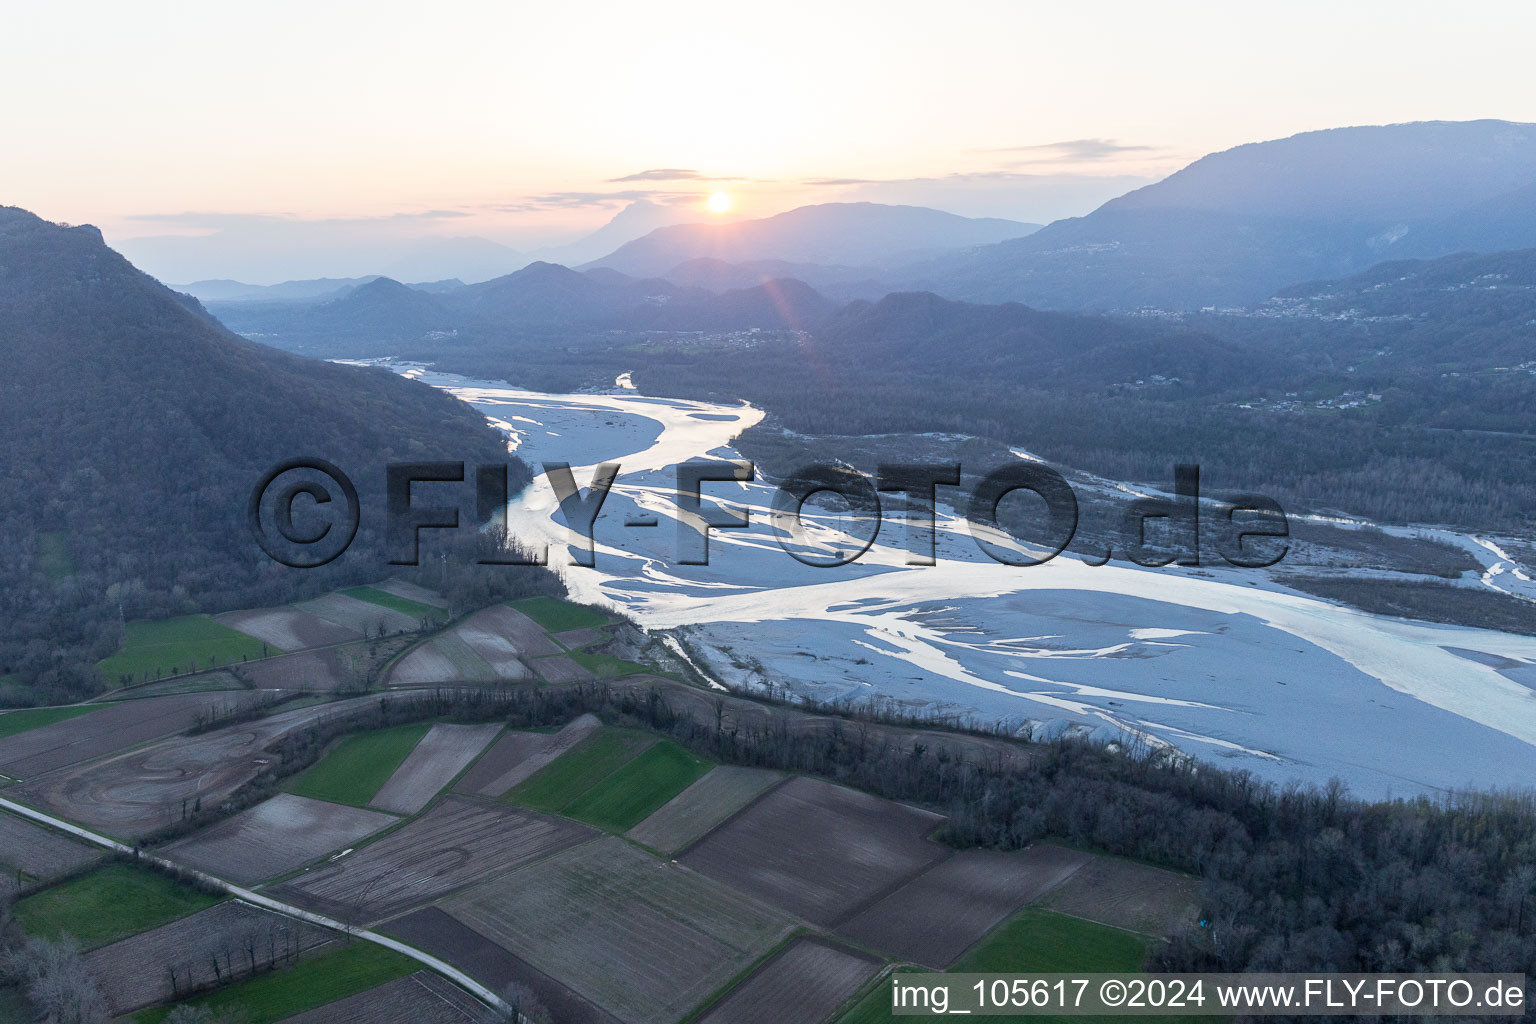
56,981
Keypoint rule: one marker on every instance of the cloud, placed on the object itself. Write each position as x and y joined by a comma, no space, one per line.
1072,151
820,182
671,174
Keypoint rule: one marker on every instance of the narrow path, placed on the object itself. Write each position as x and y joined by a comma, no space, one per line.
265,902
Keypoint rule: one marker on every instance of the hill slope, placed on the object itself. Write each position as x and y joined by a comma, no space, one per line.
1233,227
837,234
136,428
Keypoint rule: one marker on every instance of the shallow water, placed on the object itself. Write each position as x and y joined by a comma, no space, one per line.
1225,665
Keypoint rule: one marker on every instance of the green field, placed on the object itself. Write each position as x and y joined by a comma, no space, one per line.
558,616
606,666
404,605
358,766
108,904
173,646
1035,941
558,784
326,978
629,795
54,559
1038,940
13,722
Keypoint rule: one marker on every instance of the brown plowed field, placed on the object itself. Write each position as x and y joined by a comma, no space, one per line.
39,852
805,984
1128,895
455,844
702,806
115,727
517,755
136,972
288,629
420,998
275,837
817,850
444,752
433,930
135,793
644,939
949,908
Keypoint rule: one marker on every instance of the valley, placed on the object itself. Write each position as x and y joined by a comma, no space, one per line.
1116,652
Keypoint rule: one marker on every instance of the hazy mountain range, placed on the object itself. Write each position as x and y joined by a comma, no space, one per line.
836,234
1231,229
832,244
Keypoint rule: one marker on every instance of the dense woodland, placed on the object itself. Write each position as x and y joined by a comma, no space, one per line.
1126,399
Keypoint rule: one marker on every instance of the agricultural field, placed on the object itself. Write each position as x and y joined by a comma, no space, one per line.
804,984
114,727
275,837
630,794
420,998
1035,941
559,616
404,605
322,671
364,617
13,722
177,646
560,669
133,794
576,639
947,909
1039,940
1128,895
561,782
518,755
336,972
411,592
606,666
450,940
482,634
644,939
455,844
288,629
166,962
111,903
817,850
38,853
492,645
531,639
444,752
356,768
445,658
722,792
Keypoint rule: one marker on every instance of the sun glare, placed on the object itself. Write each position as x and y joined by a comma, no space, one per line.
719,202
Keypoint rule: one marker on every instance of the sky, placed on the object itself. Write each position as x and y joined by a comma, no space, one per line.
530,124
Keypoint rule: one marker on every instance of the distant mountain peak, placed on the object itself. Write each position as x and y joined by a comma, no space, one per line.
847,234
1234,226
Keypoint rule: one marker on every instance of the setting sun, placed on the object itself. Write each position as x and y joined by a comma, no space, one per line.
719,202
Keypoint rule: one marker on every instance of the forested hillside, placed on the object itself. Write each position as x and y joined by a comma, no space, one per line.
135,430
